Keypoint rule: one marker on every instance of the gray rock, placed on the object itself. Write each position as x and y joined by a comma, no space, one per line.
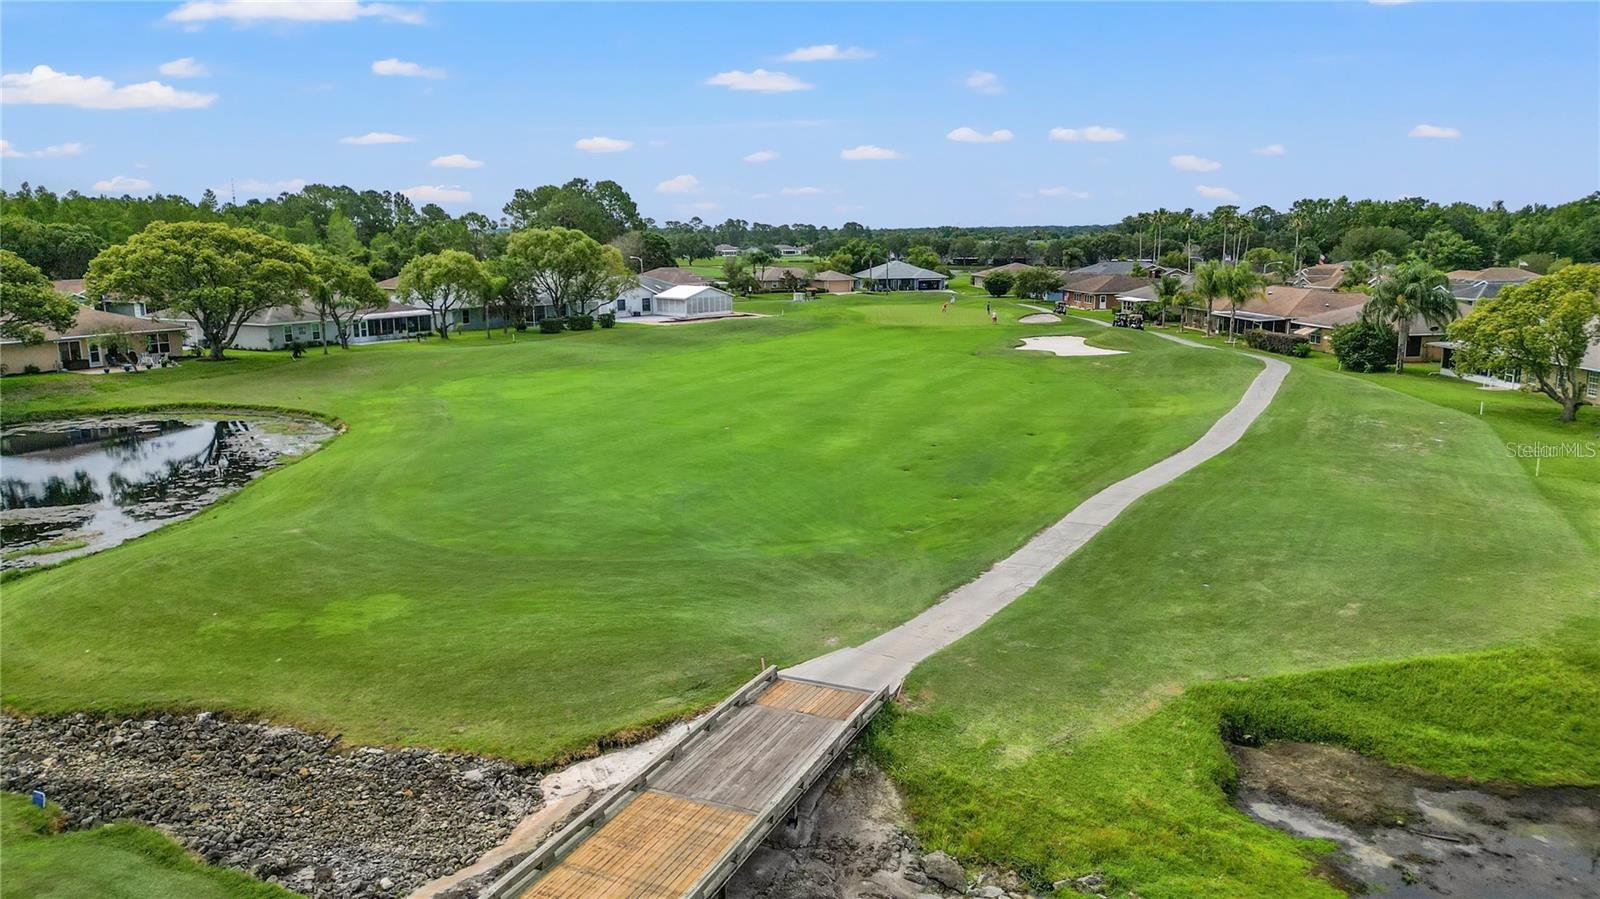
945,870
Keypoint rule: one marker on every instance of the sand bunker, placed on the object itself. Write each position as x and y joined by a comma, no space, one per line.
1040,318
1064,345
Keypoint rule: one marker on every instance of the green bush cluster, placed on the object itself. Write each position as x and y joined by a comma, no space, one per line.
580,323
608,319
1274,342
550,326
1364,346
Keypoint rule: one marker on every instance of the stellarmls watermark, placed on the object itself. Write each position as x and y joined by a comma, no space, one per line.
1572,449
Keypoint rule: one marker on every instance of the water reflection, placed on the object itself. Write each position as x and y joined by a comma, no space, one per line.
121,466
99,483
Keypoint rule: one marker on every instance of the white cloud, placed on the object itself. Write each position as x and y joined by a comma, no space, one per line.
1215,193
261,187
762,156
1190,163
456,161
185,67
827,53
1063,192
44,86
603,144
121,183
985,82
703,206
1095,134
761,196
402,69
50,152
801,191
868,151
973,136
1443,131
681,184
252,12
376,137
759,80
437,193
1270,150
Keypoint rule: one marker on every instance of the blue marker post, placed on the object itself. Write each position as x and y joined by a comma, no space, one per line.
37,798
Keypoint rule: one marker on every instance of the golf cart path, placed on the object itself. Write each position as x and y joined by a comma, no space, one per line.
886,659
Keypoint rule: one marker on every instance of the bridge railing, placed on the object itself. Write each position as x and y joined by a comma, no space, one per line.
563,841
711,882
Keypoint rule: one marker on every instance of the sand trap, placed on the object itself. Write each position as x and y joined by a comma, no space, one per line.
1065,345
1040,318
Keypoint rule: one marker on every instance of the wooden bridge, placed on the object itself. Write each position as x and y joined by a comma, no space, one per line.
685,824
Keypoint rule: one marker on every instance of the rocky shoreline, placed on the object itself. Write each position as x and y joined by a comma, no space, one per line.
301,810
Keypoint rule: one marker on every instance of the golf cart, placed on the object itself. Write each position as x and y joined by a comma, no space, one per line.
1124,319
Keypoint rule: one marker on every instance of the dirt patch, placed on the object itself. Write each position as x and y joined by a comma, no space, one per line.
1408,833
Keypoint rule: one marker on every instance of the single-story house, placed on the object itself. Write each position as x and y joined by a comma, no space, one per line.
1589,366
1095,291
690,301
899,275
1134,300
91,343
1010,268
727,249
1277,308
830,281
786,250
773,277
278,327
659,279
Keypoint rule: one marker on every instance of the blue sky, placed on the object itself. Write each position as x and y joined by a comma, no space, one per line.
1076,113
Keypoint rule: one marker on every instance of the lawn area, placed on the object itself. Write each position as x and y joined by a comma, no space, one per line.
122,860
522,548
1078,730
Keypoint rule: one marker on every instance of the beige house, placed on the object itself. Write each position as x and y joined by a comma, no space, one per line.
93,341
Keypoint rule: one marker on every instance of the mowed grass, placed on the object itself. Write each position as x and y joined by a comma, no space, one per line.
121,860
523,548
1079,729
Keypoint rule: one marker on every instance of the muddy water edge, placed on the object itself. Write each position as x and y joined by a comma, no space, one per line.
1403,832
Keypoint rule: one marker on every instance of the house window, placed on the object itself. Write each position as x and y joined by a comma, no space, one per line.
466,316
158,343
1593,389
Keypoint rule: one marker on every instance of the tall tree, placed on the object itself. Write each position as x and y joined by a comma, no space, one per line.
1542,328
1168,288
218,275
602,210
566,268
28,303
1035,283
1211,281
442,282
1243,285
1411,291
342,292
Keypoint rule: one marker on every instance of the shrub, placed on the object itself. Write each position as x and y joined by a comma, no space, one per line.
608,319
550,326
580,323
1364,346
998,284
1282,344
30,369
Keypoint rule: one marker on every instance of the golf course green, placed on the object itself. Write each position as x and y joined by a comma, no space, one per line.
525,548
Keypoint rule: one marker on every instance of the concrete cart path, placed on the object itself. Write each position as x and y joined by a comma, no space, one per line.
886,659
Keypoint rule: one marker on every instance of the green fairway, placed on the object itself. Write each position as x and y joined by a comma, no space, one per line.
122,861
522,548
1353,523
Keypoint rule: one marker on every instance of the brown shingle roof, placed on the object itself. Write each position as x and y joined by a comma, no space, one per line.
831,275
673,275
776,273
1008,267
68,286
1496,273
390,283
1103,283
94,322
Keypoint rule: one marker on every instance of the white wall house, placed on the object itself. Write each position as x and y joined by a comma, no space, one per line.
280,326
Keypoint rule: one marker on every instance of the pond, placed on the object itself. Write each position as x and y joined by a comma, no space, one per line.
77,487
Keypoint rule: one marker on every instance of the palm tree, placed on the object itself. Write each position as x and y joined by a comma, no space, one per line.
1414,290
1167,288
1210,282
1243,286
